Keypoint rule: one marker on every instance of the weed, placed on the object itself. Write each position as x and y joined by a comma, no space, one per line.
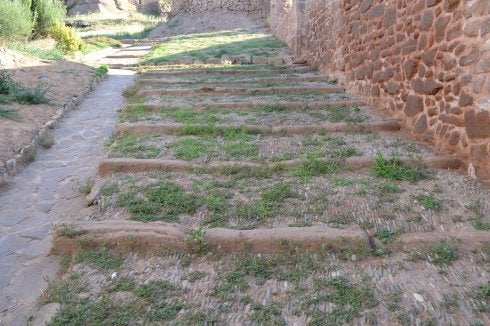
394,301
386,235
195,276
348,300
241,149
349,115
242,172
69,232
131,146
313,167
483,291
189,148
155,290
85,187
341,220
338,181
199,130
121,284
481,224
100,258
163,201
344,153
389,188
46,140
395,170
132,91
8,114
63,290
7,84
101,71
109,189
443,253
27,95
166,311
198,244
429,201
267,315
476,207
232,281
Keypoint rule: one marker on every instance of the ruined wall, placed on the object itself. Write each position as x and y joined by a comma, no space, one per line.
256,8
426,62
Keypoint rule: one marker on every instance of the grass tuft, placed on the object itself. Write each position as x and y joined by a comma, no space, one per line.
393,169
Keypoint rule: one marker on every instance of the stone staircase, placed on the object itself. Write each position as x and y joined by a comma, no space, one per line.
270,160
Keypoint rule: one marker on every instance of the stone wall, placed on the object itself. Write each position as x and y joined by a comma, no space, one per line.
426,62
256,8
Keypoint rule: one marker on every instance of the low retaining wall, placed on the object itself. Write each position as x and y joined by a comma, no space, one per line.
426,62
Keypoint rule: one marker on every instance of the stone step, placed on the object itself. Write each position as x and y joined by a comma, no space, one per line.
247,91
143,128
227,71
298,79
157,237
296,105
109,166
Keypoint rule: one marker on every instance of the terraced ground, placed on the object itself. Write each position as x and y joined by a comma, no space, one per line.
265,195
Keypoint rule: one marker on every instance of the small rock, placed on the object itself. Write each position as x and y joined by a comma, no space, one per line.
212,61
418,297
276,61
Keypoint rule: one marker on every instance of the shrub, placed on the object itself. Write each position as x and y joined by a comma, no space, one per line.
66,39
15,20
7,84
102,71
35,95
47,14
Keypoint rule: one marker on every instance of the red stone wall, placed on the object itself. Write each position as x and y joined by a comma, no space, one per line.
426,62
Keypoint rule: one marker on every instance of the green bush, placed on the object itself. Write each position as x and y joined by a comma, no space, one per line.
15,20
47,14
66,39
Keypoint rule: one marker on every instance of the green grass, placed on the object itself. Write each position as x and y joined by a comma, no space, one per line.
349,115
386,235
393,169
443,253
429,201
265,315
189,149
131,146
348,301
97,43
30,50
101,71
36,95
100,258
314,167
164,201
8,114
205,45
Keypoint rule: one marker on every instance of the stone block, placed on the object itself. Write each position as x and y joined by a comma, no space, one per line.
426,20
244,59
452,5
414,105
483,66
485,27
421,125
432,87
185,61
472,57
365,5
440,27
212,61
276,61
260,60
477,123
472,27
465,99
11,166
377,11
432,3
410,68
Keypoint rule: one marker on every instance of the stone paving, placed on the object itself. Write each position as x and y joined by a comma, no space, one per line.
45,194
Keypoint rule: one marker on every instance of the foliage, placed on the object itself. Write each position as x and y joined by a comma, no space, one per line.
15,20
47,15
66,38
102,71
393,169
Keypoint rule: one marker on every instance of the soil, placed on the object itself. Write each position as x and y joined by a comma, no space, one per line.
202,23
62,80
